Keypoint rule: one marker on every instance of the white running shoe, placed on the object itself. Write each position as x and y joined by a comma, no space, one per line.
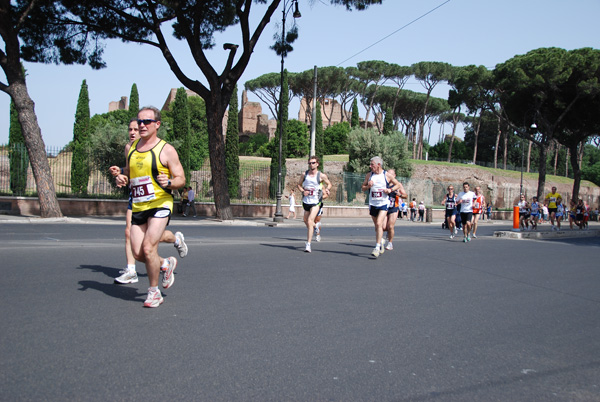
474,236
307,248
382,248
168,277
452,236
154,298
375,252
318,237
127,277
182,248
389,246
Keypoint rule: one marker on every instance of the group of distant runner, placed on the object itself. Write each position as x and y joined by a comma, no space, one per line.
153,171
530,213
385,194
465,207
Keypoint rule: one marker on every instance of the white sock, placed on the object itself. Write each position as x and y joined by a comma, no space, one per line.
131,267
165,263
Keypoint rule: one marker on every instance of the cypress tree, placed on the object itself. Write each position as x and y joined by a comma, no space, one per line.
275,154
134,102
181,129
19,159
232,158
355,120
319,140
80,167
388,122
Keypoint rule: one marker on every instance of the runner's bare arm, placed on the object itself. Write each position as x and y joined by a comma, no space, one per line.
170,159
395,183
116,170
400,190
367,183
300,183
325,179
122,179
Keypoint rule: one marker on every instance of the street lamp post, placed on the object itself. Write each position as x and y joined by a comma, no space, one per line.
278,213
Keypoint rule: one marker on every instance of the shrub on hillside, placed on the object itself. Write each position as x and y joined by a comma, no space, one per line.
363,144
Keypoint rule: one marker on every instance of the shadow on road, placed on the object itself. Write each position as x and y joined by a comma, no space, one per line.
111,272
123,292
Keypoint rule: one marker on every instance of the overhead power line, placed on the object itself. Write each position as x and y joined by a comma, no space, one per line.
395,32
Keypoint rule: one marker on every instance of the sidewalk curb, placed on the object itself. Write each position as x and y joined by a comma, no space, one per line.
547,234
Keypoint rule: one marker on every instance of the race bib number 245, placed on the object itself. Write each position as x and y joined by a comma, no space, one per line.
142,189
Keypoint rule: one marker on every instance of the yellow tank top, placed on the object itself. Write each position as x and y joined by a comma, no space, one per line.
144,167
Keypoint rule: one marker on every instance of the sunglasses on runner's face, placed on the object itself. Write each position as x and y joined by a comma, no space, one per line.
312,163
146,121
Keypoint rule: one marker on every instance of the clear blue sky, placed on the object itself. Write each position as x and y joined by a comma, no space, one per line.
460,32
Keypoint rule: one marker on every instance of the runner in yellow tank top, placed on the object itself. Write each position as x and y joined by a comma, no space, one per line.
129,274
550,202
144,168
154,170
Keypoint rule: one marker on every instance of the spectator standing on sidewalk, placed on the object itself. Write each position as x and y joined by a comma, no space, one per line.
184,199
191,203
292,209
413,210
421,211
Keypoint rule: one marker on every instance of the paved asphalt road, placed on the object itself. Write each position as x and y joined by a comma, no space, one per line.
251,317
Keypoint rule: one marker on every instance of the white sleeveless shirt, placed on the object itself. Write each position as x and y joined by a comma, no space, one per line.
377,197
312,185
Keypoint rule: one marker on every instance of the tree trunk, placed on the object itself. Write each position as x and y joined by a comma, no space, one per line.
49,207
529,156
505,148
542,171
414,151
216,147
556,150
429,124
454,124
576,171
567,159
498,134
420,141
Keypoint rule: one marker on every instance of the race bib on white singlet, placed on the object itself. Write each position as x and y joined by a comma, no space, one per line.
142,189
376,194
311,191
